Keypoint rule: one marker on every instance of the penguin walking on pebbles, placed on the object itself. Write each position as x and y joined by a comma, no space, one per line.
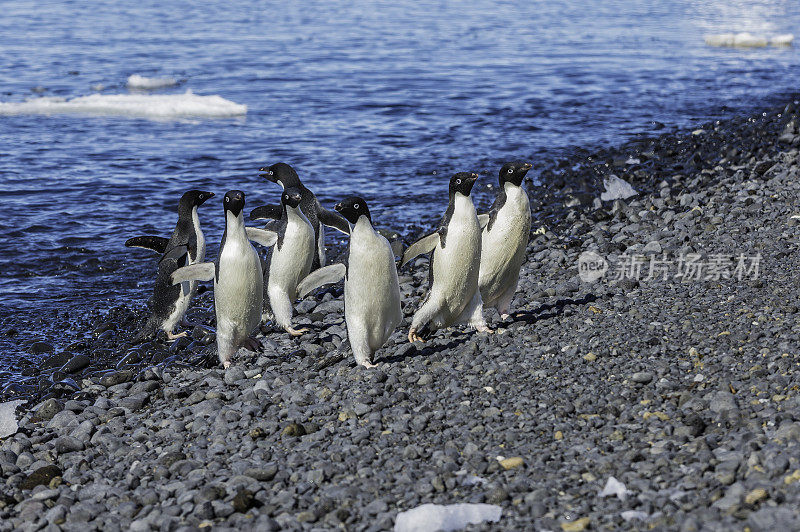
453,296
186,246
238,280
291,259
372,308
504,239
285,176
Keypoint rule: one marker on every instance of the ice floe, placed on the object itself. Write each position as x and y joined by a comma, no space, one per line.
135,81
748,40
433,517
157,106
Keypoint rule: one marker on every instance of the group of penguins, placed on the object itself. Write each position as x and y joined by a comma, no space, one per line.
475,263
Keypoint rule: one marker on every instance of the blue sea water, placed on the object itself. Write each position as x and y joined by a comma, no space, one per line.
383,99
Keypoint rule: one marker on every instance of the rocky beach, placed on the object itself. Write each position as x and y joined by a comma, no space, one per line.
663,395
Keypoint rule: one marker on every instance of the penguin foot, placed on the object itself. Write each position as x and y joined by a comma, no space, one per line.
484,329
368,364
414,337
226,364
504,317
296,332
172,337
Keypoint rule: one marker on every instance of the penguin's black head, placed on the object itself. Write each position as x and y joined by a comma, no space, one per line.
282,174
291,197
193,198
353,208
462,182
234,202
514,172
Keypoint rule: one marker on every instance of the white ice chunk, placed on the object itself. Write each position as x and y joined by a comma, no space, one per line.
748,40
157,106
614,487
136,81
8,420
433,517
785,39
634,514
616,188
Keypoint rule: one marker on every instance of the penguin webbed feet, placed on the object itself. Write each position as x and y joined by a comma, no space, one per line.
297,332
172,336
419,335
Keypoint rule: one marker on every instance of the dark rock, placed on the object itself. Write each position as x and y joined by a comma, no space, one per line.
40,477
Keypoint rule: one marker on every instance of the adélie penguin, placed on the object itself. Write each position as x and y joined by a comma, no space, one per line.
285,176
372,308
238,280
291,259
186,246
453,296
504,239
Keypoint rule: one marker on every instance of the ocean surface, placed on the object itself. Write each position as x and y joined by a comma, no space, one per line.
383,99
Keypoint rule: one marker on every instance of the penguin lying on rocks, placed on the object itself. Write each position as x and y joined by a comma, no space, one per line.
372,308
453,296
186,246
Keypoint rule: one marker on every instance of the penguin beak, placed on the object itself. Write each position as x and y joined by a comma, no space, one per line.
527,166
204,197
267,174
338,207
473,178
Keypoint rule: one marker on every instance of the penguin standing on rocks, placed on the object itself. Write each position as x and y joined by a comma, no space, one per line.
186,246
453,296
291,259
504,239
238,280
319,216
372,308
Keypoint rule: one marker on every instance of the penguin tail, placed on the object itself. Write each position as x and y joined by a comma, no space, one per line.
148,331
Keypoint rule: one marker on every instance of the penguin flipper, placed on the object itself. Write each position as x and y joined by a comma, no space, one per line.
327,275
425,244
266,212
333,219
483,219
153,243
202,271
261,236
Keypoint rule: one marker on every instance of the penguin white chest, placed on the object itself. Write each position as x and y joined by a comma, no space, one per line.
456,265
238,288
371,290
291,262
503,245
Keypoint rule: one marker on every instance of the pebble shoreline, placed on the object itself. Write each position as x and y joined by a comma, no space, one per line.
684,391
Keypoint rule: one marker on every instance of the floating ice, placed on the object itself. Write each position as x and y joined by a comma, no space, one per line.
136,81
748,40
8,419
432,517
615,487
616,188
158,106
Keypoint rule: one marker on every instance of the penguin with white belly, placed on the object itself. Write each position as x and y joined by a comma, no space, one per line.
238,280
291,259
504,239
186,246
453,296
372,308
285,176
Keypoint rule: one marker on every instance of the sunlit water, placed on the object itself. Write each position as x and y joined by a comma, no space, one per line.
380,99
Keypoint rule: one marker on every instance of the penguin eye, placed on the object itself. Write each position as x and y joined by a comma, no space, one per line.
510,170
355,205
458,181
227,200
